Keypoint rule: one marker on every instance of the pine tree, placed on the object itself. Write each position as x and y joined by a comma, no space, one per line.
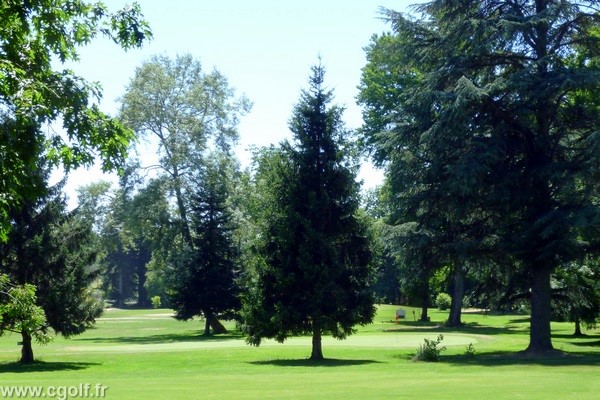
51,249
205,279
316,273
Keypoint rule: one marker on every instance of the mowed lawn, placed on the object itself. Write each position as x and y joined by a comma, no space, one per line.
146,354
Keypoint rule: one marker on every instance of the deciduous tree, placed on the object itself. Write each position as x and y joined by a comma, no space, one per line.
34,35
187,110
20,314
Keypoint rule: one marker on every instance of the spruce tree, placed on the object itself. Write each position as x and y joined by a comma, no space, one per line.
315,276
204,281
52,250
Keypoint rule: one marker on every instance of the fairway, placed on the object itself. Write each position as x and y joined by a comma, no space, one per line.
397,341
146,354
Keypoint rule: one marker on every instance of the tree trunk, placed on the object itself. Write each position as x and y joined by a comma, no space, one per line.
120,302
185,227
458,292
26,349
207,327
425,301
215,324
317,346
578,331
142,301
540,339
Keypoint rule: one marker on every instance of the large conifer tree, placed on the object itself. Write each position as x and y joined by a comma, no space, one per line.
315,276
52,249
495,111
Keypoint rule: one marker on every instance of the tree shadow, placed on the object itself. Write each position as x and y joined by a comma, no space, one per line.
572,336
43,366
501,358
328,362
164,338
473,328
595,343
522,320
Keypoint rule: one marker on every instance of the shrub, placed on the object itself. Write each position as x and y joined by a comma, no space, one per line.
443,301
470,352
429,351
156,302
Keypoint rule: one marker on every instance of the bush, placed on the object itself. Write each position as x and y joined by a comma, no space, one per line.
156,302
470,352
443,301
429,351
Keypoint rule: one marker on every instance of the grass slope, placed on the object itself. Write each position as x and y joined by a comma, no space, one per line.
145,354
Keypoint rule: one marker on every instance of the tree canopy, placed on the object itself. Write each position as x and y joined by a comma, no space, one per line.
187,110
34,35
494,113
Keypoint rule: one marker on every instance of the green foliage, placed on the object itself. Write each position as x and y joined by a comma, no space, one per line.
490,137
443,301
156,301
314,271
470,350
429,351
19,312
204,280
188,111
33,94
577,292
52,250
133,228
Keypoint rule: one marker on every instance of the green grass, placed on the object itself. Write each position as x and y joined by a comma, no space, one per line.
145,354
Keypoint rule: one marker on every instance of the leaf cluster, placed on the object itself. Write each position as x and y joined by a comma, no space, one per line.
32,93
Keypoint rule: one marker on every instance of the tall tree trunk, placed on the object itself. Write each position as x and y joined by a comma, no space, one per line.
26,349
142,299
540,339
120,302
458,292
185,227
578,331
317,346
425,300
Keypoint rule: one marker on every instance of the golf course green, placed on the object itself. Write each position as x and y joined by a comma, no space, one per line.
146,354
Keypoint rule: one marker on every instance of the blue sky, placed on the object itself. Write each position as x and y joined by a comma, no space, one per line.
264,47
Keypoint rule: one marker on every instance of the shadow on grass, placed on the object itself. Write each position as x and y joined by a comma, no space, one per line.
522,320
595,343
42,366
575,337
328,362
499,359
156,339
473,328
